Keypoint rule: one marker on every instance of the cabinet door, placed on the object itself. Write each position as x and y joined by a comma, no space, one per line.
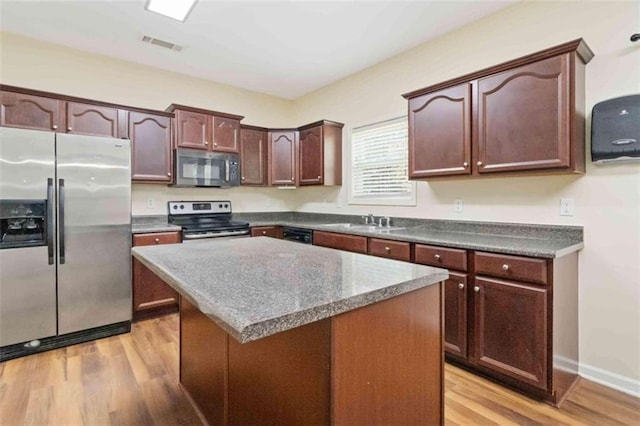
253,157
193,130
311,156
455,314
440,133
149,291
398,250
87,119
150,147
354,243
511,329
226,133
282,158
266,231
523,118
30,112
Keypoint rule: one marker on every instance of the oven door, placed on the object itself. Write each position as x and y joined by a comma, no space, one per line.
201,168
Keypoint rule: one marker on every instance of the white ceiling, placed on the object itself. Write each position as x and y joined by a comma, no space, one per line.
283,48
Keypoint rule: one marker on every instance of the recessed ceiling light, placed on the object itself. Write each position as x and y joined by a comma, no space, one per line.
175,9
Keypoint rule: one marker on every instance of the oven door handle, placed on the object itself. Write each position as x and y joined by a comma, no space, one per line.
214,235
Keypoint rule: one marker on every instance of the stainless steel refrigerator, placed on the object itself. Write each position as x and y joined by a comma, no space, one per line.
65,239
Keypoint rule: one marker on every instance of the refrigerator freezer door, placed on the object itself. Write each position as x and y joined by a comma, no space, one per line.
94,282
27,280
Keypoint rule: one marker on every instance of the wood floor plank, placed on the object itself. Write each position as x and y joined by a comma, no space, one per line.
132,379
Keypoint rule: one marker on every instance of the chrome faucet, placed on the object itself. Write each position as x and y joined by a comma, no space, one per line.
369,219
384,221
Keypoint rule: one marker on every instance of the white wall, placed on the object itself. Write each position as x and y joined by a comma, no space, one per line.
607,199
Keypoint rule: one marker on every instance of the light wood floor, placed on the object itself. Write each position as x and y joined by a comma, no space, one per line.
132,379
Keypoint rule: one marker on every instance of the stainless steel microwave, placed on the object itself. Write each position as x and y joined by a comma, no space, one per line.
202,168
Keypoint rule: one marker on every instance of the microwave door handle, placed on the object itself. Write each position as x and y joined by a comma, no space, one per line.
226,170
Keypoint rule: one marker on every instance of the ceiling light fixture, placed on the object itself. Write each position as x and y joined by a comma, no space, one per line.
174,9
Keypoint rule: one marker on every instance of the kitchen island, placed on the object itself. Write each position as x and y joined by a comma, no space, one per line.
274,332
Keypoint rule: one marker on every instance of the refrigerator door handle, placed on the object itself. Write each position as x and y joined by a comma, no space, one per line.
50,219
61,218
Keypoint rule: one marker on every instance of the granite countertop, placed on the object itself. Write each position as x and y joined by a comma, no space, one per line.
256,287
150,224
545,241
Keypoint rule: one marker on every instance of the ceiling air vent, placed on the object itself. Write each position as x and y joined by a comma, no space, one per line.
161,43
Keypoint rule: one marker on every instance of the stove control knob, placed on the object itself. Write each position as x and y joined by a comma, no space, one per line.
219,206
226,205
181,206
175,207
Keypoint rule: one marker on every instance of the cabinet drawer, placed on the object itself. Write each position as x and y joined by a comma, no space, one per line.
265,231
157,238
346,242
514,267
391,249
442,257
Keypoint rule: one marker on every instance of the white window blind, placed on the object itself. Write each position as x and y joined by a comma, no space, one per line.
379,157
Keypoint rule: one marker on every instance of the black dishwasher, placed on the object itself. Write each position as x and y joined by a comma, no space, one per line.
299,235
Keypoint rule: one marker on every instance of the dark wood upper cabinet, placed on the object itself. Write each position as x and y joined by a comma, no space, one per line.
511,329
526,116
440,133
95,120
199,128
30,112
320,153
150,147
282,157
193,130
226,134
523,117
253,156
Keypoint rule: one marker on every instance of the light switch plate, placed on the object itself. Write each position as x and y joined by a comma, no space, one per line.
458,206
566,207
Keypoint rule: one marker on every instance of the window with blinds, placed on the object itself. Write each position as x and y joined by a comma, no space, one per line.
379,164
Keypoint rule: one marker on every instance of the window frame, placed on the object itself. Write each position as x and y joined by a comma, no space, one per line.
410,200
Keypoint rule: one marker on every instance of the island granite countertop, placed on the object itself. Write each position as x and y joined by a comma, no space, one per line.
256,287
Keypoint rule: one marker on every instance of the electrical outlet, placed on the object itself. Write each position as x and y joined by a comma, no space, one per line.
458,206
150,203
566,207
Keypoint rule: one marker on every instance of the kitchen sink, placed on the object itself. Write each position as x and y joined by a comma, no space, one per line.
363,227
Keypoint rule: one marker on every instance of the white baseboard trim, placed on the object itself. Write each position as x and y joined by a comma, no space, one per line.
611,379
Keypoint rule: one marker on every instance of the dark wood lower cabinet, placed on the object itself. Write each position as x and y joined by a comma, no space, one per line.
266,231
381,364
151,296
455,314
354,243
511,329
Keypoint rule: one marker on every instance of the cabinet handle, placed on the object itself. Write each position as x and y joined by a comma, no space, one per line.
476,289
479,163
465,164
69,129
157,240
436,256
215,144
460,286
291,179
206,142
243,178
54,127
264,232
169,174
387,249
505,267
319,177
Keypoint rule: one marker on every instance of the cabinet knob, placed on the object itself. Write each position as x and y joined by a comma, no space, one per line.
215,144
479,163
291,179
264,232
243,178
54,127
387,249
465,164
460,286
206,142
319,177
436,256
476,289
157,240
69,129
505,267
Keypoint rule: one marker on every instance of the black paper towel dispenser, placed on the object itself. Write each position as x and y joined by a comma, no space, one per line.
615,130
